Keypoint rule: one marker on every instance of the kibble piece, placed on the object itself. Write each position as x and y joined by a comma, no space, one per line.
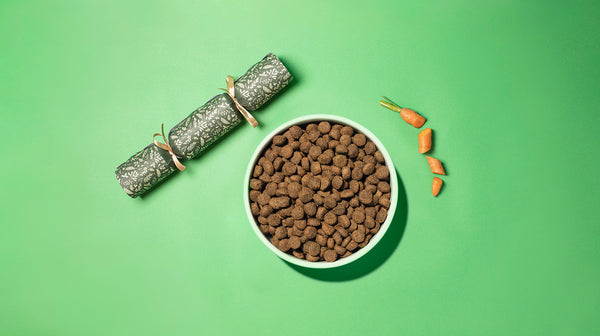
352,151
344,221
280,140
340,161
256,184
254,209
321,211
280,232
294,242
284,245
371,188
298,212
330,255
337,182
287,151
340,149
289,169
298,254
382,173
359,139
324,127
339,250
305,195
327,229
277,177
358,236
381,215
279,202
357,173
312,248
312,258
347,130
321,240
345,140
310,209
368,169
330,218
341,230
384,187
329,202
258,170
310,232
370,148
379,157
358,216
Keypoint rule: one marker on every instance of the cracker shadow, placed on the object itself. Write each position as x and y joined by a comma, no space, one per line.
374,258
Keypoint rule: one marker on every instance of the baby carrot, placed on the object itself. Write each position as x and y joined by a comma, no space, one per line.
436,186
435,165
425,140
407,114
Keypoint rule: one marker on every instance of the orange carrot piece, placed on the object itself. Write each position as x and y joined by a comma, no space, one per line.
412,117
436,186
407,114
435,165
425,140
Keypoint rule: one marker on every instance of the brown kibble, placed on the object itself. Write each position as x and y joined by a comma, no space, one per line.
254,209
279,202
340,149
287,151
289,169
305,195
299,223
321,240
384,187
340,161
329,202
256,184
342,231
312,248
368,169
337,182
310,232
339,250
379,157
352,245
312,258
365,196
280,232
298,254
321,211
347,130
314,152
382,173
357,173
330,218
258,170
313,222
280,140
384,202
262,198
345,140
284,245
298,212
294,242
358,236
324,159
266,210
324,127
310,209
352,151
328,229
305,147
381,215
330,255
359,139
358,216
370,148
344,221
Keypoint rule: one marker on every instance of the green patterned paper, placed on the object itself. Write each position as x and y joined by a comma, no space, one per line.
204,126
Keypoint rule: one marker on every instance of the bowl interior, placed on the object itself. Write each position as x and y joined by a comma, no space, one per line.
393,186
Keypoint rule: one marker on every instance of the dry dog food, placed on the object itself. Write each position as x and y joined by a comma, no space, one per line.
320,191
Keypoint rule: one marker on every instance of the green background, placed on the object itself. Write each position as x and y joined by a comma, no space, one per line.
511,246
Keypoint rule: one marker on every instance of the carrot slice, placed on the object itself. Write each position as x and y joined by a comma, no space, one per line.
407,114
425,140
435,165
436,186
412,117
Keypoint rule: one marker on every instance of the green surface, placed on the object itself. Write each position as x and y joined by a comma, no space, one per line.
510,247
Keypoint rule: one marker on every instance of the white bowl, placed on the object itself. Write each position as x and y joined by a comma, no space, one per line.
393,186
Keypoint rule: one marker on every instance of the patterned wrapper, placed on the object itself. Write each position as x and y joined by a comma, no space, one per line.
204,126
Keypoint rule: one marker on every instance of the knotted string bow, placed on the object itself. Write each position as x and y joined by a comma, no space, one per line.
167,147
231,93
